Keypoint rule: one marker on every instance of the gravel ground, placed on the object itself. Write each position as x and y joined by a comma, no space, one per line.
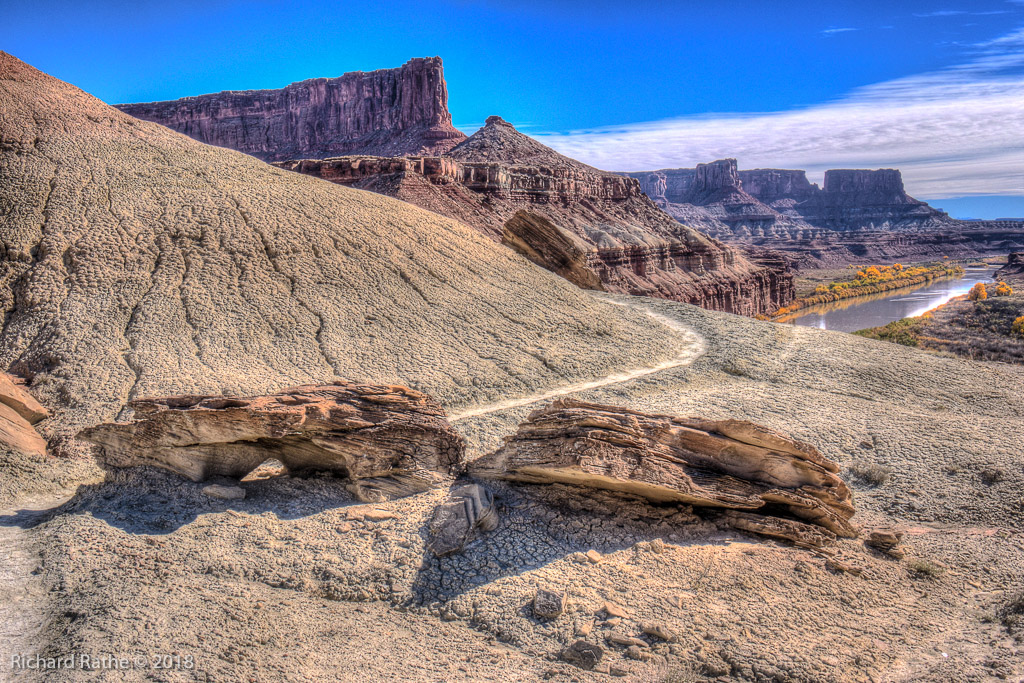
300,582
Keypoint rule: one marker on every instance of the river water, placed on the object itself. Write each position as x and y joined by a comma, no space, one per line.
850,315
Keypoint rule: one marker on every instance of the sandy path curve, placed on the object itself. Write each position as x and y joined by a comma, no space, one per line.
22,597
690,349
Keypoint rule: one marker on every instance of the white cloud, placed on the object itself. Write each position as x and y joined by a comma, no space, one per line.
833,31
953,132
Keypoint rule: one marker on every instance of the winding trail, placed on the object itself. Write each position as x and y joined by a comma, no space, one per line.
22,596
691,348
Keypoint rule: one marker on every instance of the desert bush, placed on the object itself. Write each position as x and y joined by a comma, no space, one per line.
1012,613
992,475
1018,326
1003,289
977,293
876,475
926,568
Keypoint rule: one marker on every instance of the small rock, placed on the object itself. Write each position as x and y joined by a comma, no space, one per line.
379,515
618,670
224,492
494,590
658,546
548,604
627,641
839,566
456,521
884,539
634,652
585,628
583,654
614,621
613,610
594,557
661,632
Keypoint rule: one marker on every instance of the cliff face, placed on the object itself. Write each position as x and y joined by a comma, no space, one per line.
1014,267
857,215
386,112
773,184
597,229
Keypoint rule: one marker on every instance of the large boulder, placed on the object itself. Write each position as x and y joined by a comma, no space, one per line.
388,440
717,463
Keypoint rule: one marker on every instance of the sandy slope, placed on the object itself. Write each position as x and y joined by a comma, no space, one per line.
297,583
135,261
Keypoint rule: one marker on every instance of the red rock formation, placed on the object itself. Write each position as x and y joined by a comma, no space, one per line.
597,229
385,112
19,411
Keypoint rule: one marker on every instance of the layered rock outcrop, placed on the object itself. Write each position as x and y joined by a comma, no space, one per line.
857,215
19,412
1014,267
387,440
597,229
716,463
385,112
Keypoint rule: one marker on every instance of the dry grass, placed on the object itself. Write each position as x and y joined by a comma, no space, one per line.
875,475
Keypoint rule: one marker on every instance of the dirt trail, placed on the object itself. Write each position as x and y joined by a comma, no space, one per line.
21,593
691,349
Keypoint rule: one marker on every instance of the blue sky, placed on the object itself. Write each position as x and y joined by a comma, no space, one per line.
934,88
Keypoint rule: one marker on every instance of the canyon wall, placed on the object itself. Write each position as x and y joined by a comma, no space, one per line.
597,229
773,184
385,112
856,216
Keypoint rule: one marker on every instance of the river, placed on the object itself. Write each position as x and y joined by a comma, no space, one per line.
875,310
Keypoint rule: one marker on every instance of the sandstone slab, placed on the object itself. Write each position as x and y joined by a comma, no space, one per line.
388,441
716,463
17,398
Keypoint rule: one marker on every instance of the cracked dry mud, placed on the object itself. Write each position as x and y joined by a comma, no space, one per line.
287,582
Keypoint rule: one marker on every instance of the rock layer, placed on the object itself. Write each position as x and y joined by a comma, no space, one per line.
716,463
595,228
857,215
389,111
387,440
1014,267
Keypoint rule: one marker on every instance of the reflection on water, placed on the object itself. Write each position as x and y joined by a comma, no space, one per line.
850,315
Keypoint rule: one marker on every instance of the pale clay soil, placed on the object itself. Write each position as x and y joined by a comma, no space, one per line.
300,582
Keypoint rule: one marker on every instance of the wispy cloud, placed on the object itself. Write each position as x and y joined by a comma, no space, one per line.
833,31
961,12
953,132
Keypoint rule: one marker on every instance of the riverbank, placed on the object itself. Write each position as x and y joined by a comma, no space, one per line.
867,281
977,330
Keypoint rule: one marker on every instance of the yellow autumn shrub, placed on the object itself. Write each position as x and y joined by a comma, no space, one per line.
977,293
